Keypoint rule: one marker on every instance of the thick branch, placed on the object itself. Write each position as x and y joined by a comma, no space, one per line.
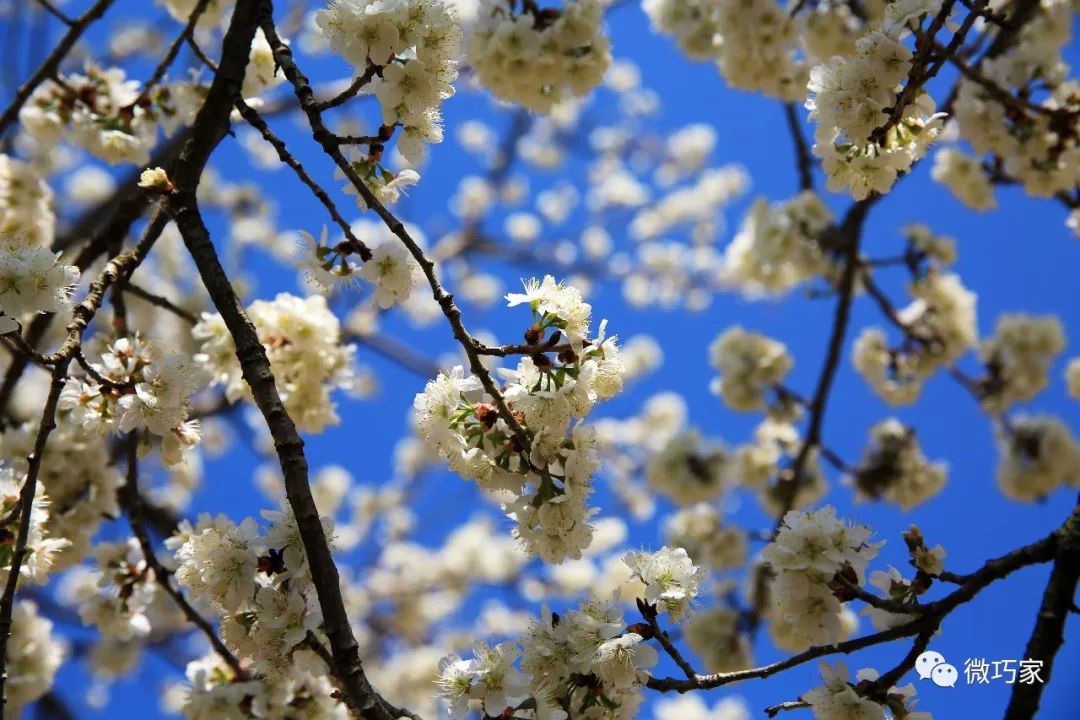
210,125
26,500
1049,633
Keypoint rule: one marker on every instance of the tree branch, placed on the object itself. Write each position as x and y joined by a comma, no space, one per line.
132,502
328,141
998,568
1049,633
210,126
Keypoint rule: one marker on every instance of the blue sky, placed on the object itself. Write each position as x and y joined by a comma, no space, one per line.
1019,258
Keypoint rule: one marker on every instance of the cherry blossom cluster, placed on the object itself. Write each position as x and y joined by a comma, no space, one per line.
750,365
26,203
810,551
181,10
689,469
137,385
707,539
1039,150
585,663
102,112
893,468
939,327
777,247
1038,454
1018,357
33,278
851,99
413,45
549,478
840,699
755,45
391,269
41,545
302,338
34,655
77,488
539,57
965,178
260,583
213,691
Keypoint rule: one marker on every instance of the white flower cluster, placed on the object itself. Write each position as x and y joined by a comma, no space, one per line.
750,365
1038,455
670,578
549,480
941,327
391,269
181,10
759,462
850,98
1018,357
262,71
717,635
33,279
144,387
539,57
77,477
102,112
41,545
963,175
415,44
777,246
1036,149
810,550
586,660
687,470
893,468
259,583
1072,378
214,692
839,699
302,338
26,204
700,530
34,655
754,44
116,597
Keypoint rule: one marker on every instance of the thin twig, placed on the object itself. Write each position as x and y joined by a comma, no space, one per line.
56,12
352,90
992,570
305,94
256,121
132,502
161,302
774,710
173,51
804,160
